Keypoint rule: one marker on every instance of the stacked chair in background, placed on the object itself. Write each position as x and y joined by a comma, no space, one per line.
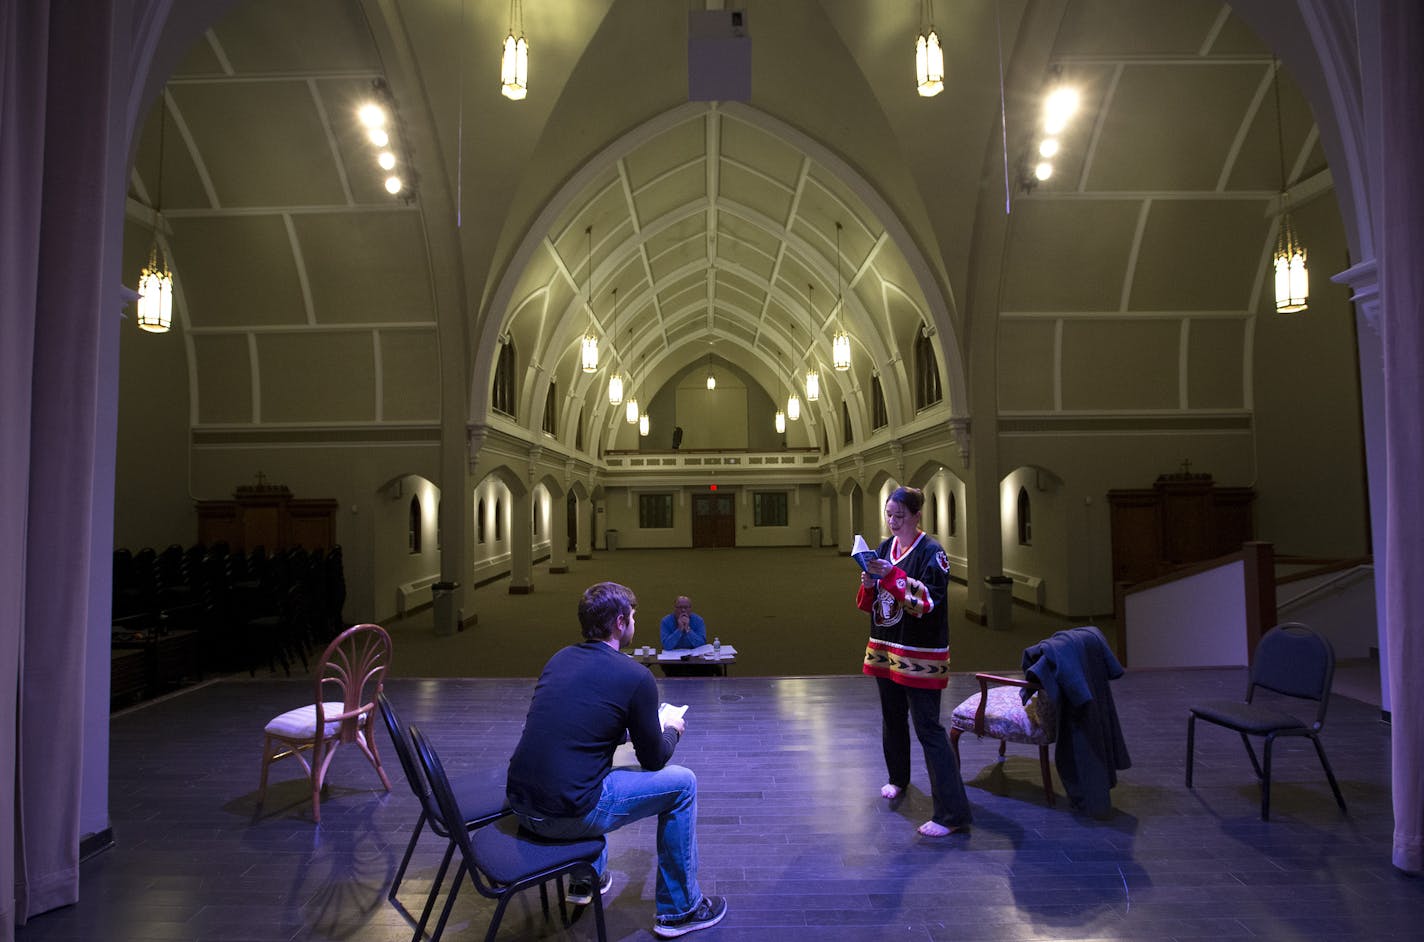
233,610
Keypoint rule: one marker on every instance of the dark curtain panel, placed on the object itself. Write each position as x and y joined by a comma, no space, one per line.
1402,241
55,157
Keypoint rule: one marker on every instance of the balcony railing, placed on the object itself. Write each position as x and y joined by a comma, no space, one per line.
720,460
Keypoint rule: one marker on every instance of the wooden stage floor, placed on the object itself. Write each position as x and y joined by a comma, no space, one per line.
791,827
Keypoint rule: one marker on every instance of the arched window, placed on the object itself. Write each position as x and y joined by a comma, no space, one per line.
480,522
498,523
953,513
847,433
502,396
413,526
927,388
578,433
934,513
880,417
1025,519
549,402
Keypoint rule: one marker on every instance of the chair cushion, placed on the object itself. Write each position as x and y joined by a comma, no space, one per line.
1007,717
301,722
1248,717
508,854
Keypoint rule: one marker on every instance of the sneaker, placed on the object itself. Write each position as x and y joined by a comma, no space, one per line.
581,892
709,912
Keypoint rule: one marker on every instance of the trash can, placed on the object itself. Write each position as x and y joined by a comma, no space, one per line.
447,620
610,540
815,537
1000,606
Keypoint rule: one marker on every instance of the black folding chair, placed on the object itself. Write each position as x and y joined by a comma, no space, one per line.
480,799
1291,660
503,859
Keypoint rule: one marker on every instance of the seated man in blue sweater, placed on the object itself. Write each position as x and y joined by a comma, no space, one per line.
562,783
681,628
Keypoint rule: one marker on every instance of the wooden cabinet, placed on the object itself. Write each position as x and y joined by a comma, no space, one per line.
1182,518
267,515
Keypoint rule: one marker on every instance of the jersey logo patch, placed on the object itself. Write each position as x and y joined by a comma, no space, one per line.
943,560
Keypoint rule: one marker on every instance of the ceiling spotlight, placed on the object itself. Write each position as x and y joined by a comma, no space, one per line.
378,137
1043,171
1058,107
387,160
372,115
393,184
1048,147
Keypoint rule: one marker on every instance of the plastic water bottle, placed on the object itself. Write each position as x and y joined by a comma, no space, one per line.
716,649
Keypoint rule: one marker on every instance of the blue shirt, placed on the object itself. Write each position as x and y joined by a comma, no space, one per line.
694,637
588,699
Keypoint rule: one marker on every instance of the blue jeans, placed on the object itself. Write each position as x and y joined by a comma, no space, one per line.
630,794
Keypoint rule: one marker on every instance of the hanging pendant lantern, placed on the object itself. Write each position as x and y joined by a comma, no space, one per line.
929,55
615,382
155,293
813,377
1292,275
155,282
840,350
793,408
590,353
630,412
514,64
643,425
590,340
840,343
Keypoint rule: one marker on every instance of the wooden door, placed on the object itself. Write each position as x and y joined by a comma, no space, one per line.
714,521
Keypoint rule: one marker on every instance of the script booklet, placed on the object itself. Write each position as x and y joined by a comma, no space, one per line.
667,711
702,652
863,554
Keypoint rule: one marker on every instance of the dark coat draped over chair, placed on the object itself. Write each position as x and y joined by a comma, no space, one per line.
1074,668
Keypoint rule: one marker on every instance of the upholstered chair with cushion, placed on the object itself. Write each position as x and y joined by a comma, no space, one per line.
347,682
998,711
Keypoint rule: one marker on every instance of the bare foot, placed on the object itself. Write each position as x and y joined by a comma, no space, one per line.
890,792
931,829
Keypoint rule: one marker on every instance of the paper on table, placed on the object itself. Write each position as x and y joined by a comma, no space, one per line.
863,554
666,711
702,652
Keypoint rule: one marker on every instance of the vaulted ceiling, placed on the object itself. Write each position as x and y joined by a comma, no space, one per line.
744,232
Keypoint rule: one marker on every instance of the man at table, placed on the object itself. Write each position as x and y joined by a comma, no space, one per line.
681,628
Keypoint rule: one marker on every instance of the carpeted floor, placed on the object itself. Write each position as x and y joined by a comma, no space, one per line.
788,612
